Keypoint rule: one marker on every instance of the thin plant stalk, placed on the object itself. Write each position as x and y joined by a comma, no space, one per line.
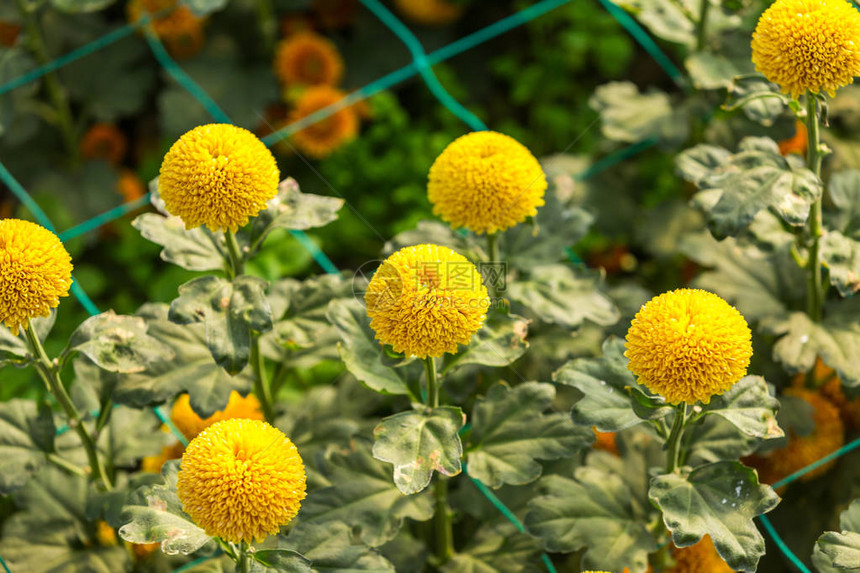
673,450
262,389
814,155
701,26
493,253
444,533
48,372
234,253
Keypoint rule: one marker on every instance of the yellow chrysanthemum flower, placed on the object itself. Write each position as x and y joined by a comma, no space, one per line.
425,300
810,45
321,138
827,437
35,271
699,558
218,175
308,59
486,181
241,480
190,424
688,345
429,12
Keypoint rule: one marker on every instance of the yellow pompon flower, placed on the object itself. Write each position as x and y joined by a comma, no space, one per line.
323,137
308,59
190,424
425,300
218,175
688,345
429,12
810,45
827,437
241,480
35,271
487,182
701,557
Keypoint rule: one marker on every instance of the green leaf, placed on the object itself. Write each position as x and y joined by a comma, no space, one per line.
280,561
510,432
558,294
714,439
844,192
629,116
841,256
711,71
646,405
496,549
76,6
331,549
665,19
591,512
419,442
233,312
500,342
760,100
205,7
363,495
720,500
26,435
191,370
16,124
750,407
363,355
14,349
196,249
605,403
836,340
842,550
118,343
130,435
756,178
154,515
293,210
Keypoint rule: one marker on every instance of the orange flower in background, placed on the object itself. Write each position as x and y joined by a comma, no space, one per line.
605,441
429,12
105,534
827,437
829,385
309,59
9,33
177,26
323,137
153,464
143,550
190,424
701,557
104,141
130,186
797,143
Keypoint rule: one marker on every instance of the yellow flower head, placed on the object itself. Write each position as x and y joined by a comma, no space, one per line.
805,45
827,437
429,12
217,175
486,181
321,138
699,558
309,59
688,345
425,300
241,480
35,271
190,424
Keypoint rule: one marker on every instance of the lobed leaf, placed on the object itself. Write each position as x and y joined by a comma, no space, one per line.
117,343
26,435
192,249
500,342
750,407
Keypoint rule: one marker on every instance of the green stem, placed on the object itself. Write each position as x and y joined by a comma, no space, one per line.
672,445
237,262
49,374
268,24
55,90
432,382
442,519
66,465
704,8
262,389
814,155
243,560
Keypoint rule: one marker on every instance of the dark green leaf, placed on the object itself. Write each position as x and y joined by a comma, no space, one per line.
605,403
363,355
155,516
749,92
841,256
646,405
629,116
844,192
592,512
419,442
280,561
191,370
750,407
205,7
232,311
510,432
842,550
500,342
14,349
118,343
363,495
75,6
26,435
196,249
558,294
714,439
499,549
330,548
720,500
